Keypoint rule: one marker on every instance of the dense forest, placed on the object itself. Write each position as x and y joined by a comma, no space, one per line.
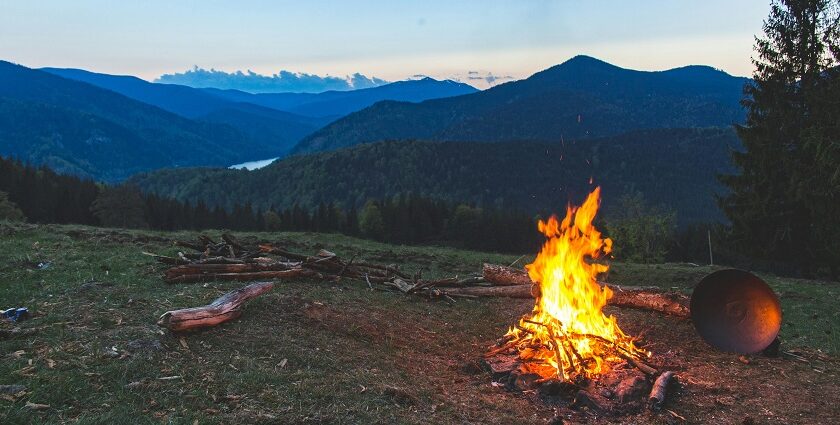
677,168
648,233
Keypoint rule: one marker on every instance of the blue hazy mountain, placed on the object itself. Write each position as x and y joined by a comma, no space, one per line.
278,129
580,98
79,128
339,103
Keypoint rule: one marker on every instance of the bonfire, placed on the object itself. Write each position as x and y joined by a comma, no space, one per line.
567,336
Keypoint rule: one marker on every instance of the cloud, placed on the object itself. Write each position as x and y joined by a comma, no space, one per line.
283,81
488,77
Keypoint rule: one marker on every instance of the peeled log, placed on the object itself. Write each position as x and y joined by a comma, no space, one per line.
221,310
504,276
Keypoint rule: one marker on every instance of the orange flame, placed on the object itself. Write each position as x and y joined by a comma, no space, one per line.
567,332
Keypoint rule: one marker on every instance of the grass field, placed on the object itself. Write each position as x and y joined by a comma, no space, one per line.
315,352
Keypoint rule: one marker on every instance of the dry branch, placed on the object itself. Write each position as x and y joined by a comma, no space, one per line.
224,308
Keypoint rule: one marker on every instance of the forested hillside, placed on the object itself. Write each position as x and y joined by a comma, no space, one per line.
676,168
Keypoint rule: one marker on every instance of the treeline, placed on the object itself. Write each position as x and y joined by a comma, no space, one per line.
643,232
40,195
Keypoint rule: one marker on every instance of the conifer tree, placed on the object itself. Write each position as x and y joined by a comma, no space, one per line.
771,206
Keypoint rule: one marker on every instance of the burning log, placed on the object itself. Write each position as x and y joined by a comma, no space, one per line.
660,388
632,297
224,308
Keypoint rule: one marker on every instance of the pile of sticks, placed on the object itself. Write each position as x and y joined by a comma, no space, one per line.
228,260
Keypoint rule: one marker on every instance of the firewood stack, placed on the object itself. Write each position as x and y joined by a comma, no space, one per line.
229,260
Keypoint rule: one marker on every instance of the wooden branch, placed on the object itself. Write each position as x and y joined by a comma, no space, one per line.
504,275
659,390
224,308
242,277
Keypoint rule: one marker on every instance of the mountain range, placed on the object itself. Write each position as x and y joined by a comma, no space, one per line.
77,128
336,103
109,127
580,98
666,134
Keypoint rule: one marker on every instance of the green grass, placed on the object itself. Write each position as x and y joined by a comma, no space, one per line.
308,351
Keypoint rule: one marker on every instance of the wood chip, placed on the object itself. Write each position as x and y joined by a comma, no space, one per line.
36,406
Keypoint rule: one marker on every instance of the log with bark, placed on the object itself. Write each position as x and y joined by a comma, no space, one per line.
224,308
504,275
660,390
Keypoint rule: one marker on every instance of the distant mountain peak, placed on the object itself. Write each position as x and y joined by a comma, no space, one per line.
588,62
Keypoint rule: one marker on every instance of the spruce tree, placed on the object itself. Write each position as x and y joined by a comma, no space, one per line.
772,206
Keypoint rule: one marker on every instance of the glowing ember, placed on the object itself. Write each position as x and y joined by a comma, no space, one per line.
567,335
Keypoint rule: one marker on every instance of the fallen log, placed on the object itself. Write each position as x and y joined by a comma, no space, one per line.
504,275
644,299
191,269
671,303
224,308
659,390
518,291
241,277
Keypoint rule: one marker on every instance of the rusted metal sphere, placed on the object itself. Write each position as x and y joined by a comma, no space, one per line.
735,311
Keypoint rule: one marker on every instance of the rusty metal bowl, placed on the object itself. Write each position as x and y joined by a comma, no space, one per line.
735,311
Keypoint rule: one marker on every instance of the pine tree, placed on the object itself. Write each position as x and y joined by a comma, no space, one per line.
120,206
9,210
771,201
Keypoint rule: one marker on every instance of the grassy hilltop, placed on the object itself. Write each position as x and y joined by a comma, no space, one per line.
337,353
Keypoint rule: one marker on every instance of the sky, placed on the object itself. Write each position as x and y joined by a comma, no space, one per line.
392,40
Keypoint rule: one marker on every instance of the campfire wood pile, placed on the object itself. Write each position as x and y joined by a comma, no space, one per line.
623,389
628,387
229,260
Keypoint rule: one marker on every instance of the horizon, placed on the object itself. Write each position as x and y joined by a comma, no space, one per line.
481,44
